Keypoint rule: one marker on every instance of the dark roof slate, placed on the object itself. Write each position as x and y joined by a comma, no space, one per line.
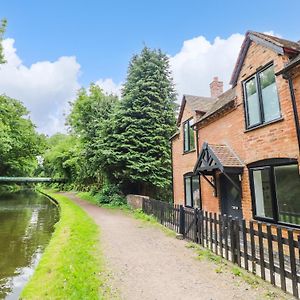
196,103
277,41
290,65
220,103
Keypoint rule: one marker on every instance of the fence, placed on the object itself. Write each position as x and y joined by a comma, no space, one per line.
270,251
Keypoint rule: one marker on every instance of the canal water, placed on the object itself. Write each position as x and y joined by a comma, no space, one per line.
27,221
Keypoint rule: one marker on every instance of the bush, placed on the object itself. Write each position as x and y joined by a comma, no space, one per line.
110,194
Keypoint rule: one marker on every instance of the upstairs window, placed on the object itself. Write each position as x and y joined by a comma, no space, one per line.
188,136
261,98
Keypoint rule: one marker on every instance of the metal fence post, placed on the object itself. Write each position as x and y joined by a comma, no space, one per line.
181,220
161,213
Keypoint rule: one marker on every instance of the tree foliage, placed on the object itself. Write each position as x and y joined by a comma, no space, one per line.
137,141
90,115
120,143
61,158
19,142
3,24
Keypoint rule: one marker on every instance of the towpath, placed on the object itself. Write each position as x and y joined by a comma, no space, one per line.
147,264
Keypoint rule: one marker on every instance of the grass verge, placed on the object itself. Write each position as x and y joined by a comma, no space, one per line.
87,196
72,266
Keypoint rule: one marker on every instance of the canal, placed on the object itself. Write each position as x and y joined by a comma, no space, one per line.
27,221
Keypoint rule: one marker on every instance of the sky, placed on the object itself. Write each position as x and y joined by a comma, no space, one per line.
53,48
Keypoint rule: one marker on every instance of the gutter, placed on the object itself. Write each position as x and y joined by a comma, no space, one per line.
286,74
172,174
294,103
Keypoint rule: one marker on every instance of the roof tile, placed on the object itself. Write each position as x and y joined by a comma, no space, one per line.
221,102
226,156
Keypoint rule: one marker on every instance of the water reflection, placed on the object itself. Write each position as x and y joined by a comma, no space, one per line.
26,222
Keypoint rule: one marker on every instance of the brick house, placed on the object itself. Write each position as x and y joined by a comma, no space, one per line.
237,152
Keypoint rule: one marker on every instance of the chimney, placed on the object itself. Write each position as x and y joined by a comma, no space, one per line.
216,87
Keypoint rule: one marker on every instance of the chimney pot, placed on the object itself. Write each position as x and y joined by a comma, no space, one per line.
216,87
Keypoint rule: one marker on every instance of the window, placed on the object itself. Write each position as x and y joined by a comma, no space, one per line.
263,194
276,192
189,137
192,191
261,98
287,183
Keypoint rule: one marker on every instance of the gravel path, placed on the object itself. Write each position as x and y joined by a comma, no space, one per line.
147,264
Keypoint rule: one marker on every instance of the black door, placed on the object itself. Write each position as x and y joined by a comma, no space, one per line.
231,197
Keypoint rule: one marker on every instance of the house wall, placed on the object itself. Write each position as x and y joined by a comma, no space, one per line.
277,140
182,162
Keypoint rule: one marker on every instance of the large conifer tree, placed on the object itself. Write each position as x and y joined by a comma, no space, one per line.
138,147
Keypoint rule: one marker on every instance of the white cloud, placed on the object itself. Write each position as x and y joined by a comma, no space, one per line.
199,60
195,65
44,87
109,86
271,32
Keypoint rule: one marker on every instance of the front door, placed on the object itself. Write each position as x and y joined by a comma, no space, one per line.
231,204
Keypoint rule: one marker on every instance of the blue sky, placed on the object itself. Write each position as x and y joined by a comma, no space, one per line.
103,35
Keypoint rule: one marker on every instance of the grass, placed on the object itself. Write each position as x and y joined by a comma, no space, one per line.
87,197
72,266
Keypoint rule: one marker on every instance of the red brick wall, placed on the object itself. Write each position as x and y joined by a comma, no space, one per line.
182,163
275,140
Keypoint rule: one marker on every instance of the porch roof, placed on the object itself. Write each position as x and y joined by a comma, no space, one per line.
217,157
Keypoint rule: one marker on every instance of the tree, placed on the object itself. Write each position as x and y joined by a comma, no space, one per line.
137,144
61,158
20,144
90,114
2,31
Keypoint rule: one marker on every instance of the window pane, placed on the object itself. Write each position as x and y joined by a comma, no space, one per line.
287,182
192,135
186,136
252,103
196,191
263,195
269,94
188,196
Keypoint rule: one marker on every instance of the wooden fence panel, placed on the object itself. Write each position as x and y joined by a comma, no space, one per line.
271,256
248,244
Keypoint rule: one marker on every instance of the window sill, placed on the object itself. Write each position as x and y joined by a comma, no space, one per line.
273,222
264,124
187,152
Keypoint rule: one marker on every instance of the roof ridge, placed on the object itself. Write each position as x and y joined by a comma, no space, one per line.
275,39
188,95
224,93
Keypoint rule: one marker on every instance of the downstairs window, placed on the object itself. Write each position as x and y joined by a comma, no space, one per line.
192,191
276,192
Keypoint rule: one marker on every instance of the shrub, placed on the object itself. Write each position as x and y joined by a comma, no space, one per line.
110,194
